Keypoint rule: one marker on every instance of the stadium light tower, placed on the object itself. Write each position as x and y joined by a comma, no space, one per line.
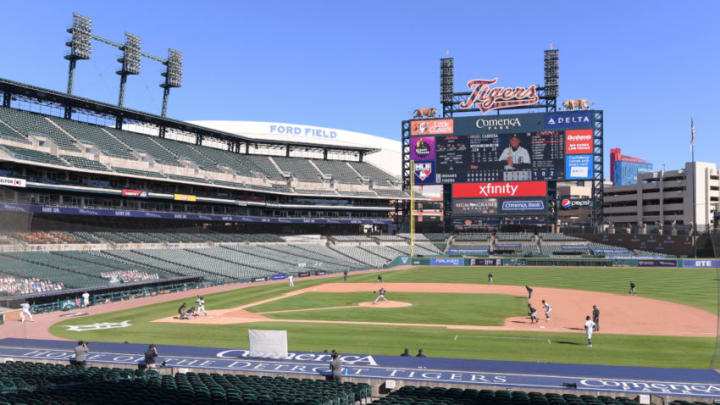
173,76
80,45
131,62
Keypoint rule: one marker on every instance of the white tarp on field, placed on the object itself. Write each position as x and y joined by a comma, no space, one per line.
268,343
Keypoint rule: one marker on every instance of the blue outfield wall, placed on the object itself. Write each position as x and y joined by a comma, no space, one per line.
519,375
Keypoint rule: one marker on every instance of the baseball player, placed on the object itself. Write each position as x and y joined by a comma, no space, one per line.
381,293
290,280
632,288
548,308
490,278
533,314
589,326
181,311
379,279
596,318
25,311
529,290
86,299
200,301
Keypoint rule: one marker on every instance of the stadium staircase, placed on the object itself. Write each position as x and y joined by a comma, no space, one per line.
264,258
310,257
375,253
173,263
334,249
137,263
222,259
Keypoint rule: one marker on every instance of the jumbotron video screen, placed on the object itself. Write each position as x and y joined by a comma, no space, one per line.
500,148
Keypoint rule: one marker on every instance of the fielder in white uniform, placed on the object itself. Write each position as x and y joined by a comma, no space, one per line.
290,280
589,326
548,308
200,301
25,311
382,295
86,299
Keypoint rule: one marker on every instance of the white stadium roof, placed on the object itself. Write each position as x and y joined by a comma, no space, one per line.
388,159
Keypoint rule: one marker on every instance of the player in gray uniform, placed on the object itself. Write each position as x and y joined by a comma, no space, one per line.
548,308
381,293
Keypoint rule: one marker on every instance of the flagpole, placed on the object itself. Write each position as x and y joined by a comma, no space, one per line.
694,187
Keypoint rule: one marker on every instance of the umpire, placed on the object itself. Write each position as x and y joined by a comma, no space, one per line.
596,318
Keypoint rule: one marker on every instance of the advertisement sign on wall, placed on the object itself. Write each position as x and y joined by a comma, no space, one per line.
422,148
578,141
701,263
501,189
134,193
475,206
568,120
9,181
657,263
446,262
185,197
424,172
432,127
578,167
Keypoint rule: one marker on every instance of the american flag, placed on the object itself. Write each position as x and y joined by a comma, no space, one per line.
692,132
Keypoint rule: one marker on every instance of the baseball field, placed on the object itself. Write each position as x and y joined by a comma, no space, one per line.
452,312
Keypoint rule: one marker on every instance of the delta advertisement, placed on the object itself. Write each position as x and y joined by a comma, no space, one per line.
568,120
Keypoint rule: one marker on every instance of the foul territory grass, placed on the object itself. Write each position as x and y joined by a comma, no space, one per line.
692,287
427,308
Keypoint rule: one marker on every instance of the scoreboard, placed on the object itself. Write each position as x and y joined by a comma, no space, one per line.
503,148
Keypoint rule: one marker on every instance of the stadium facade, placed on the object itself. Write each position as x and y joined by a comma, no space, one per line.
665,199
126,169
387,158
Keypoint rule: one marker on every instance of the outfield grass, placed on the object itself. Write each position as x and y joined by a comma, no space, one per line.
692,287
464,309
695,287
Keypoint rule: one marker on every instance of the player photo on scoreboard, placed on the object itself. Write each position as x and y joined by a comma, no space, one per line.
514,151
515,156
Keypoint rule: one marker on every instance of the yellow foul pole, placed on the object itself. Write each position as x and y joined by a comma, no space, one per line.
412,209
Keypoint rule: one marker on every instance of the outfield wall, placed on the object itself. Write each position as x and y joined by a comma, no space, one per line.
446,261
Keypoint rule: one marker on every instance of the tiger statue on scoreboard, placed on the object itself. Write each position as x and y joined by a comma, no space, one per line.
580,104
425,112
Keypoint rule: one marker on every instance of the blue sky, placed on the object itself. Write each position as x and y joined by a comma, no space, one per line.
364,65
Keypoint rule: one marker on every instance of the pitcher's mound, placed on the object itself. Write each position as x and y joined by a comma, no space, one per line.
385,304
